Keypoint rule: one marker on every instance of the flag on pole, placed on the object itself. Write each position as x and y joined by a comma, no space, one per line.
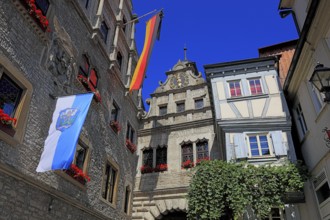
152,32
68,119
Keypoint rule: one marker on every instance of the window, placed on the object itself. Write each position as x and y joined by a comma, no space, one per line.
187,152
114,112
235,88
88,75
119,59
109,182
322,189
124,24
161,155
162,110
202,150
43,5
275,214
180,107
130,133
15,96
317,97
301,120
199,103
255,86
10,95
148,158
78,169
80,157
104,30
127,199
323,192
259,145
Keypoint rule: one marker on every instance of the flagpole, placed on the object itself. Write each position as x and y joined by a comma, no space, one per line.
154,11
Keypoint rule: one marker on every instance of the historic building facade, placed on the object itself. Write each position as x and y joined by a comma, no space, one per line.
253,122
309,106
176,134
56,48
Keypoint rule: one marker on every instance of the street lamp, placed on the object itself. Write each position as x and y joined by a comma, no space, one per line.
321,80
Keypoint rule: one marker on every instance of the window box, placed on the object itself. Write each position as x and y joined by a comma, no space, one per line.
293,197
77,174
202,159
146,169
187,164
115,126
130,146
89,87
160,168
37,14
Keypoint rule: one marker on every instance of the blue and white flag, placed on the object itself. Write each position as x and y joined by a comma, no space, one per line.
60,145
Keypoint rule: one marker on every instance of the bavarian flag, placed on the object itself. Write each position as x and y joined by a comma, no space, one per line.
68,119
152,32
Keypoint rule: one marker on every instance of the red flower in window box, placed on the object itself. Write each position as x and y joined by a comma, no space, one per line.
115,126
187,164
78,174
89,87
202,159
146,169
6,119
161,167
37,14
130,145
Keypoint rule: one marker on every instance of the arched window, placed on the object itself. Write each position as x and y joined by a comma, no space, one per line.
202,149
161,155
187,152
147,157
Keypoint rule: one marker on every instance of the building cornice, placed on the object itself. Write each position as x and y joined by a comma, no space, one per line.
175,127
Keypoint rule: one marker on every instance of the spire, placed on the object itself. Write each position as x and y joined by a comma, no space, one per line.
185,52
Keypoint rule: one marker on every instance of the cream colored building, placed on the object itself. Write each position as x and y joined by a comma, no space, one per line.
177,128
311,114
253,122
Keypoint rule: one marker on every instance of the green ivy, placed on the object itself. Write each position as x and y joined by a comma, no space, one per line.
219,188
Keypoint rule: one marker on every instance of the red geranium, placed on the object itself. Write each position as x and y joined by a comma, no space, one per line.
6,119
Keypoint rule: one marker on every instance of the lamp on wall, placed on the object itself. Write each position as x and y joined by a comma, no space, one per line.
326,136
321,80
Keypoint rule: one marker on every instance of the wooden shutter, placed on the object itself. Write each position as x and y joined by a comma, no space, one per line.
241,149
279,147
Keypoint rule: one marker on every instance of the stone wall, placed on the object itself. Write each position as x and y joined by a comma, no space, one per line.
29,50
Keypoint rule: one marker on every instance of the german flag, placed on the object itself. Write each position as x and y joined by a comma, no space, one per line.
152,32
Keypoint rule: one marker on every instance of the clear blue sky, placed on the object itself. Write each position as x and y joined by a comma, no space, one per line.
213,31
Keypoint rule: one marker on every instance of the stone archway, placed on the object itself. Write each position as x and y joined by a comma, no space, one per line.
176,215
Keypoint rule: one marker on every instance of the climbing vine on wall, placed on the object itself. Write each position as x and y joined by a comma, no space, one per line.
226,189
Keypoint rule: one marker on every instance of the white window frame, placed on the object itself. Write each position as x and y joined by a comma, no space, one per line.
261,86
240,86
318,183
270,145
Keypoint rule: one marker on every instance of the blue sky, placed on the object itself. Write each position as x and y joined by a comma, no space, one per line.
213,31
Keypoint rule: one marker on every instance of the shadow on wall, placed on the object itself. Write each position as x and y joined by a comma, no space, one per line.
159,137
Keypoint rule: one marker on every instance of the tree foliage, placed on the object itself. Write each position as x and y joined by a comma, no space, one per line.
218,187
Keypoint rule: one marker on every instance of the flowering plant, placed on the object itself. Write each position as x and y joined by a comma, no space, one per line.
161,167
115,126
6,119
202,159
78,174
146,169
37,14
187,164
130,145
89,87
